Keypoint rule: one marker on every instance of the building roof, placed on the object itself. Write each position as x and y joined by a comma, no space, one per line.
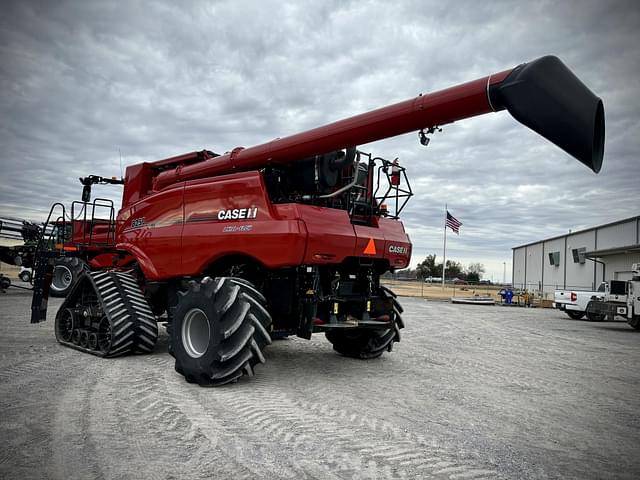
605,252
617,222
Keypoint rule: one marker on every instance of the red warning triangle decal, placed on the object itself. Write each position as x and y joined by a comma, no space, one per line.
371,248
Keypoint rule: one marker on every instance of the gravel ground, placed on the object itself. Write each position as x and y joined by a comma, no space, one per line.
470,392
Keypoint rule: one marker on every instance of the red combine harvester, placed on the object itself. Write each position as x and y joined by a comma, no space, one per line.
285,238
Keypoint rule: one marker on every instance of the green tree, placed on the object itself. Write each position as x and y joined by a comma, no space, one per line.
453,270
474,272
427,268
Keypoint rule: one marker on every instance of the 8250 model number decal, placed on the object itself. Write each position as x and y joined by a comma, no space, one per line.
137,222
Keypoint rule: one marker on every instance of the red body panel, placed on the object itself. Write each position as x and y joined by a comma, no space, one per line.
182,230
151,230
272,241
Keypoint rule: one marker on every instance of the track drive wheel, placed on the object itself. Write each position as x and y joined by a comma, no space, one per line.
64,325
219,330
575,314
65,274
364,343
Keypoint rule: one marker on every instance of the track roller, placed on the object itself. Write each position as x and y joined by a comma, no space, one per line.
84,338
92,342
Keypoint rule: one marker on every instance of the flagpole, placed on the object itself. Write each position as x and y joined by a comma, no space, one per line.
444,247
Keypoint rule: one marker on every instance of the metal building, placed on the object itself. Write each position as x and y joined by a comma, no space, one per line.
578,260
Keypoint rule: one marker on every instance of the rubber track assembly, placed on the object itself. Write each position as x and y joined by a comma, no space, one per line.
106,315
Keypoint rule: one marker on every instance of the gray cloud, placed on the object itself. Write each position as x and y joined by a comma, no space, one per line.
82,80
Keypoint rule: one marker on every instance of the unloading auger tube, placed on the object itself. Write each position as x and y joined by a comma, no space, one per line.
543,95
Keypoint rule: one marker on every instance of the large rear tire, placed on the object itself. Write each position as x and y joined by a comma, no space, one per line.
575,314
365,343
219,330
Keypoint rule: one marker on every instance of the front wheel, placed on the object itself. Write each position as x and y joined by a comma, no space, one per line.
575,314
219,330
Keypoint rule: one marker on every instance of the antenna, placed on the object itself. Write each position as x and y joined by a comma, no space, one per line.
120,152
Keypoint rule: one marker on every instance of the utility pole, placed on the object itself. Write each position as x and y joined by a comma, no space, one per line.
504,273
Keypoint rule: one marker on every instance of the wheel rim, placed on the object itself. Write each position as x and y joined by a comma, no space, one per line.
62,278
65,325
195,333
104,335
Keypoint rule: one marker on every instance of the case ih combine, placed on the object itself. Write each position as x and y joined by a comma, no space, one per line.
285,238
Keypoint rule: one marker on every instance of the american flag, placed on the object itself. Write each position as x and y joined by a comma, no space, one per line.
453,223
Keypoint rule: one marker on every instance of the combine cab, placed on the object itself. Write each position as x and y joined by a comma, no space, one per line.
285,238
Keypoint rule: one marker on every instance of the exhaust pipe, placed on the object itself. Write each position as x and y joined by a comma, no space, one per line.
547,97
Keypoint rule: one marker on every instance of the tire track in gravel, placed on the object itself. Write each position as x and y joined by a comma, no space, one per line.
28,368
500,340
146,431
316,436
559,386
73,452
355,386
208,408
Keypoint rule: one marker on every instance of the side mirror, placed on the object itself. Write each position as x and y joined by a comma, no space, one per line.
86,193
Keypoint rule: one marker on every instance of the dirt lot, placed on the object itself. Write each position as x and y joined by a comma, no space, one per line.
470,392
415,288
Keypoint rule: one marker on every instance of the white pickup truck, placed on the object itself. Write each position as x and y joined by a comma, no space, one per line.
574,302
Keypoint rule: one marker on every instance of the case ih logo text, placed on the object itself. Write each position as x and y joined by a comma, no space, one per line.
398,249
238,214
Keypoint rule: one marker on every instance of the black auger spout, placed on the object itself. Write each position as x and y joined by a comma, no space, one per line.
547,97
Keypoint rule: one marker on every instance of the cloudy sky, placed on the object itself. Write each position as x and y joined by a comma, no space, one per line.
82,81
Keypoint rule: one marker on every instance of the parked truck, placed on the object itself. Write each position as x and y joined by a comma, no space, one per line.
574,302
621,298
285,238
